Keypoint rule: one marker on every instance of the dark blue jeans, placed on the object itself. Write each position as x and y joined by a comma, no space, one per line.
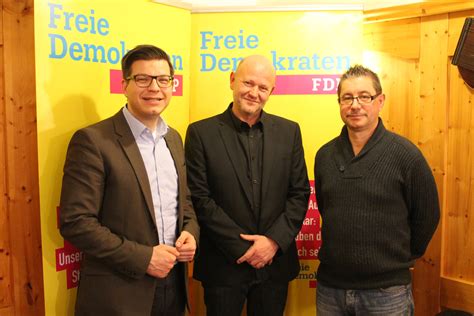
392,301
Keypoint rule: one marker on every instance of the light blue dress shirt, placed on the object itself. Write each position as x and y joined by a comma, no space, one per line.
161,173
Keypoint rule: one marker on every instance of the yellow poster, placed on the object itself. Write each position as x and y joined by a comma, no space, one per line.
309,50
79,45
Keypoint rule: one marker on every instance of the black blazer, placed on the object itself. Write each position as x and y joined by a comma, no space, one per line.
221,198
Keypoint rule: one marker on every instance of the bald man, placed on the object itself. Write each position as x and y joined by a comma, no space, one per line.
250,189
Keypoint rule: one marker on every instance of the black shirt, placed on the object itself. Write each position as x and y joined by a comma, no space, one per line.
251,142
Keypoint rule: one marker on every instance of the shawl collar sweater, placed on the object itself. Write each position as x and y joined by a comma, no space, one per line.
379,210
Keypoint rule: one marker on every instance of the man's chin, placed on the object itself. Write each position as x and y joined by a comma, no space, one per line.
252,112
252,108
250,104
159,106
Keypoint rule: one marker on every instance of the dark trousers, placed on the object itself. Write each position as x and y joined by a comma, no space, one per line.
264,298
170,295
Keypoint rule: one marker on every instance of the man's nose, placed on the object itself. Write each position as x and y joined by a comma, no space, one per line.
355,103
154,85
254,91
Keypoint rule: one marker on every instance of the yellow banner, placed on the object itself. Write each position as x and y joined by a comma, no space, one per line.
309,51
79,45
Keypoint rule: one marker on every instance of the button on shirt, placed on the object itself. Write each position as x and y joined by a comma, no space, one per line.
162,175
251,142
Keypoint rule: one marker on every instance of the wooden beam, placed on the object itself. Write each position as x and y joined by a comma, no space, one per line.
457,294
5,257
422,9
20,141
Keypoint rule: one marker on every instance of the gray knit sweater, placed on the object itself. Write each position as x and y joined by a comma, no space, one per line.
379,210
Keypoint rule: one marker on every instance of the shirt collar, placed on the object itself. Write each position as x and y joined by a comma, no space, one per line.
241,125
138,127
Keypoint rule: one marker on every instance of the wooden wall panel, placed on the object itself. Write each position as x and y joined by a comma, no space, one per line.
458,220
398,38
401,112
22,284
5,262
414,78
431,141
441,123
433,90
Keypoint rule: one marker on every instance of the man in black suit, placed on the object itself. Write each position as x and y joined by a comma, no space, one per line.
249,187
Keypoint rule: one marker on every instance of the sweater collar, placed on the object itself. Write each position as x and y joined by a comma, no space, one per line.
373,140
351,166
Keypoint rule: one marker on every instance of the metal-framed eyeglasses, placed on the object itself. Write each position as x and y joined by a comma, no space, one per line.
363,99
144,81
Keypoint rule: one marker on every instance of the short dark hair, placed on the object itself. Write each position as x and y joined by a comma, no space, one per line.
360,71
143,52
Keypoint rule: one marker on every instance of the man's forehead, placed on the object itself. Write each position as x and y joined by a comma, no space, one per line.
151,63
361,83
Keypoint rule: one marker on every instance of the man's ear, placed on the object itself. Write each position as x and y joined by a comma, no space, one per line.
382,101
232,79
124,86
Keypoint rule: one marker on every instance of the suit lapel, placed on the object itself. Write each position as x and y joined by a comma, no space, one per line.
231,144
127,141
269,140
